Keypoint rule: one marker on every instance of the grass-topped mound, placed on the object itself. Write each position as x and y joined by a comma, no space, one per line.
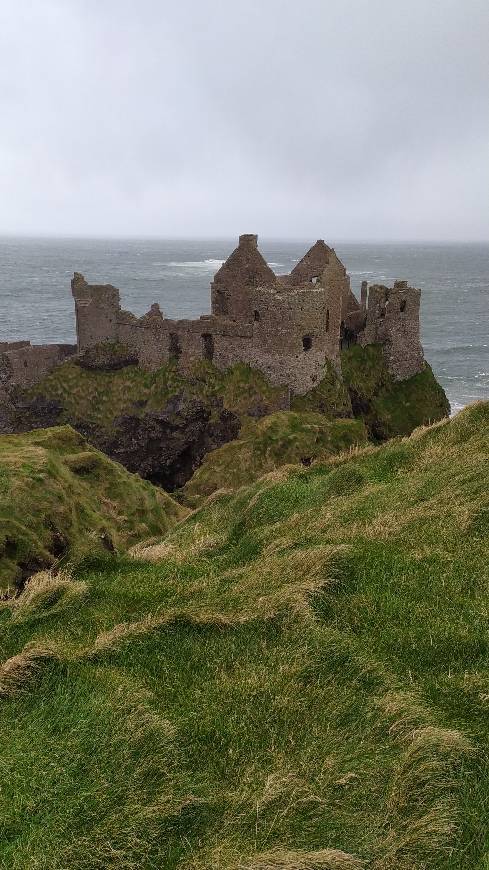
286,437
59,497
294,678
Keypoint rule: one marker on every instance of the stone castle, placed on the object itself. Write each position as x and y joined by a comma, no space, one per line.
287,326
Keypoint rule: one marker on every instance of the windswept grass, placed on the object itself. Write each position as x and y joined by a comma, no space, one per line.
295,677
60,498
286,437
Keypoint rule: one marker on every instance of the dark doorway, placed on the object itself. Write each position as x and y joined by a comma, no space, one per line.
208,346
307,342
175,349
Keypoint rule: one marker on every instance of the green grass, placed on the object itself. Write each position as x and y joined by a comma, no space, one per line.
296,676
286,437
59,496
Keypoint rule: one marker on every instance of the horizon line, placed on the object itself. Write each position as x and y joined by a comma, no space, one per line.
226,238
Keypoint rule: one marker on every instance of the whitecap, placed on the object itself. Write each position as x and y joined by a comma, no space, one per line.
204,265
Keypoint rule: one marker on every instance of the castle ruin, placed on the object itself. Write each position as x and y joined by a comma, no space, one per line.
287,326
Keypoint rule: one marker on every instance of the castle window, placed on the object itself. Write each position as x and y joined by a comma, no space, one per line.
402,306
327,320
175,349
208,346
315,279
307,342
256,316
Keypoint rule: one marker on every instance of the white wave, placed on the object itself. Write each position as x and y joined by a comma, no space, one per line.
201,265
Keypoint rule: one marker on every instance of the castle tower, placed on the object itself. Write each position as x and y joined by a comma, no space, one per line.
232,286
393,322
96,309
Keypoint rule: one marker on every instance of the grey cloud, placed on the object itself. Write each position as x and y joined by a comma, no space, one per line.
337,118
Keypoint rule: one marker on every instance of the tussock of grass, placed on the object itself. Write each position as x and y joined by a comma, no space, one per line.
47,593
113,640
17,672
325,859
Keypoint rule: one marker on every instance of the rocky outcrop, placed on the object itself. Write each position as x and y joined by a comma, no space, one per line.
166,447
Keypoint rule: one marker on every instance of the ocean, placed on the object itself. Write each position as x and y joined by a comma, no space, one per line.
36,303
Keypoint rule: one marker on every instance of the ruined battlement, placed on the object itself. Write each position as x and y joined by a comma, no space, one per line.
287,326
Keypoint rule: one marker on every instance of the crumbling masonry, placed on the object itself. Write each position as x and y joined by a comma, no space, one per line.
287,326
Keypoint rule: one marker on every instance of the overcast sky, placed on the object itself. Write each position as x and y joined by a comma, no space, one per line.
340,119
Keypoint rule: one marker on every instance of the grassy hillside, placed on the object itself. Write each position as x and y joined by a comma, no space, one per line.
285,437
294,678
60,497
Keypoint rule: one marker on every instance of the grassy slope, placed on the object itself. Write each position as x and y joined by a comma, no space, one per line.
57,492
296,677
285,437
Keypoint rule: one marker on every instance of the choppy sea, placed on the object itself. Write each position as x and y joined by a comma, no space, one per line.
36,303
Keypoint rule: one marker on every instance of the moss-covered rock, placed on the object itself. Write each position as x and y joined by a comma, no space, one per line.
330,397
390,407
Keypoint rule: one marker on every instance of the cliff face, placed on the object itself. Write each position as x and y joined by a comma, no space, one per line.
161,424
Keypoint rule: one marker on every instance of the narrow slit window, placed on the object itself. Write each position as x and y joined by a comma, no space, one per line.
175,349
208,346
327,320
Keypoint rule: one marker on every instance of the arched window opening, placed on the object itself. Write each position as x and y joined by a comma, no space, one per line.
402,306
175,348
307,342
208,346
327,320
256,316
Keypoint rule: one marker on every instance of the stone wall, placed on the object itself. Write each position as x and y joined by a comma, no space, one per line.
24,364
393,321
